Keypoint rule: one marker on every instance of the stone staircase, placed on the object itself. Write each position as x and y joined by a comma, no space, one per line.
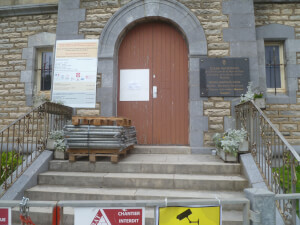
146,173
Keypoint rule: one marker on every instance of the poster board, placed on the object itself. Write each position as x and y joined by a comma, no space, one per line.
75,73
184,215
109,216
134,85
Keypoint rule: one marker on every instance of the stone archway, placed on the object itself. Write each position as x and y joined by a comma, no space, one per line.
137,11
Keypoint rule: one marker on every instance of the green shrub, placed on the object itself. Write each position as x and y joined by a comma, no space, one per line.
9,166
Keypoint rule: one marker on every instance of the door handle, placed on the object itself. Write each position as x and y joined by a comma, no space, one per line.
154,91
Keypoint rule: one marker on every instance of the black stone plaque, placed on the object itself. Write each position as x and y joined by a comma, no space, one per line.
224,77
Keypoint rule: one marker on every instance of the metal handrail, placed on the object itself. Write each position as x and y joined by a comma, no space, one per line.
138,203
274,156
23,140
291,148
287,196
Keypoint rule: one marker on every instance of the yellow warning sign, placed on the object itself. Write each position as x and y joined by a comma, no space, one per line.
207,215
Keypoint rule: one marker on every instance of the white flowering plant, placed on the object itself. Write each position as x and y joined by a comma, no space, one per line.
57,134
60,145
251,94
230,140
59,140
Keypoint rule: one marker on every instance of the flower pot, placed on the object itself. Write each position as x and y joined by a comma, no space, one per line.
50,144
244,147
227,157
260,102
59,155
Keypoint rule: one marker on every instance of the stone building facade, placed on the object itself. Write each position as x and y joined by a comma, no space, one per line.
211,28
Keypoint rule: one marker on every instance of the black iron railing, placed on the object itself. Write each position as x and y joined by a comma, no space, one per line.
22,141
275,157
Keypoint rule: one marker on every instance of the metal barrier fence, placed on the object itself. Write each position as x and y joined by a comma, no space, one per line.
291,197
276,158
135,203
22,141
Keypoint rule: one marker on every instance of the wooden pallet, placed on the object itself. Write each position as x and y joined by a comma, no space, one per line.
93,153
101,121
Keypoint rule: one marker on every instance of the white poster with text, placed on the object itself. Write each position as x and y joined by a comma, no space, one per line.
134,85
75,73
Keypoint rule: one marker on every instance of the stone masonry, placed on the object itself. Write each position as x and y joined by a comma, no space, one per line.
286,14
14,32
215,109
209,13
286,117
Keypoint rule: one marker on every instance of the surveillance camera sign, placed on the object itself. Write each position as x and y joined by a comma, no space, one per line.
200,215
109,216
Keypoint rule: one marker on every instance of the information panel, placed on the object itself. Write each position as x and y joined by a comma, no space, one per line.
109,216
75,73
224,77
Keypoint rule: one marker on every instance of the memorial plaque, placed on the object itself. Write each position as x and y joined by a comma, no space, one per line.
224,77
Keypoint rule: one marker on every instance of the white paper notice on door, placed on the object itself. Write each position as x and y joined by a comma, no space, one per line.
134,85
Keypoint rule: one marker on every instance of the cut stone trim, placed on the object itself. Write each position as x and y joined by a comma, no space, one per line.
69,16
279,32
30,9
136,11
242,39
40,40
275,32
146,10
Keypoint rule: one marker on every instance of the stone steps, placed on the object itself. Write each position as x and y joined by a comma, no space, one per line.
145,149
144,180
55,193
152,173
149,163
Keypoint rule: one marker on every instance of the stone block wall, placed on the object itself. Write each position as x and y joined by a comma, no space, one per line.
209,13
14,32
215,108
286,14
286,117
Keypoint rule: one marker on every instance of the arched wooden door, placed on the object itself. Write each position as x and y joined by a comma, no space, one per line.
159,47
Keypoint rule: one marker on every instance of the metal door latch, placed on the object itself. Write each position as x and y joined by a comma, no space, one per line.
154,91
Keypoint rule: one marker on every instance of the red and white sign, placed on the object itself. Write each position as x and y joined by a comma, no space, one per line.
5,216
109,216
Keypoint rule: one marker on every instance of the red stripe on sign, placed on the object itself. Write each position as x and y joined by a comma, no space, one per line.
4,216
97,218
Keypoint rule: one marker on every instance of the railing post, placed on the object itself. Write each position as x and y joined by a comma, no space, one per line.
262,202
293,184
251,128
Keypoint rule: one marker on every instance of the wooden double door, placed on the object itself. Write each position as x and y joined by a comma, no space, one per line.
159,47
